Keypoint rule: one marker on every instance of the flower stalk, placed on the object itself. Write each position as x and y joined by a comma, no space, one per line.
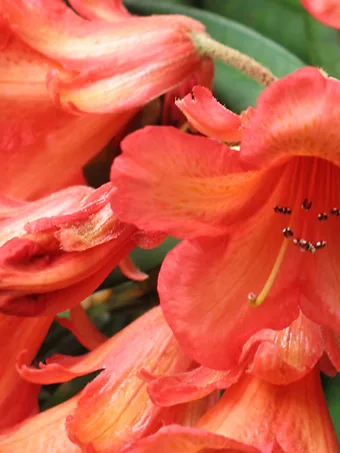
207,46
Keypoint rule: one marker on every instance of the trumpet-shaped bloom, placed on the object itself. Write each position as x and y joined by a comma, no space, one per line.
119,67
326,11
114,410
18,398
255,416
56,251
101,61
260,224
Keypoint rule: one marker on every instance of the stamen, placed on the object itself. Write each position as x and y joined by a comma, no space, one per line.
335,211
320,244
322,216
306,204
255,300
287,232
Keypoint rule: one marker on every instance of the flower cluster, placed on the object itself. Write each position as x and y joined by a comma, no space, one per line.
249,309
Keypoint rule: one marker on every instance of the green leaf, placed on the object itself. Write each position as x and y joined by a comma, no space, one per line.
331,388
268,17
312,41
234,89
324,46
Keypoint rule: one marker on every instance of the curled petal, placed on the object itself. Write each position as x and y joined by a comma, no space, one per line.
83,328
185,185
326,11
35,296
62,243
295,116
204,75
18,334
128,268
287,355
209,117
188,386
108,10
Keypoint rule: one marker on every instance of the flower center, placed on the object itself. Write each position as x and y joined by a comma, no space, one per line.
309,204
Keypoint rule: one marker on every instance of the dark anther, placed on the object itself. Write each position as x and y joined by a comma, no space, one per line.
303,244
322,216
279,210
296,241
287,232
335,211
311,248
282,210
306,204
320,244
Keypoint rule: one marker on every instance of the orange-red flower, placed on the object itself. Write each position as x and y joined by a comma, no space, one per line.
114,410
326,11
260,224
102,62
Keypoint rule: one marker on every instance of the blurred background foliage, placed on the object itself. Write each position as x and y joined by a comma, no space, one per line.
281,35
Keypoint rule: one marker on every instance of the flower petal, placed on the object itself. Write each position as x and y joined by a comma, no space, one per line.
286,355
176,438
109,10
185,185
35,134
129,269
83,328
18,334
204,286
320,285
210,117
326,11
296,115
190,385
43,433
263,415
64,243
115,409
82,45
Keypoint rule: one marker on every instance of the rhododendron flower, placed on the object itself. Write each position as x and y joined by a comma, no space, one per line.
18,398
102,62
256,416
56,251
326,11
260,224
114,410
